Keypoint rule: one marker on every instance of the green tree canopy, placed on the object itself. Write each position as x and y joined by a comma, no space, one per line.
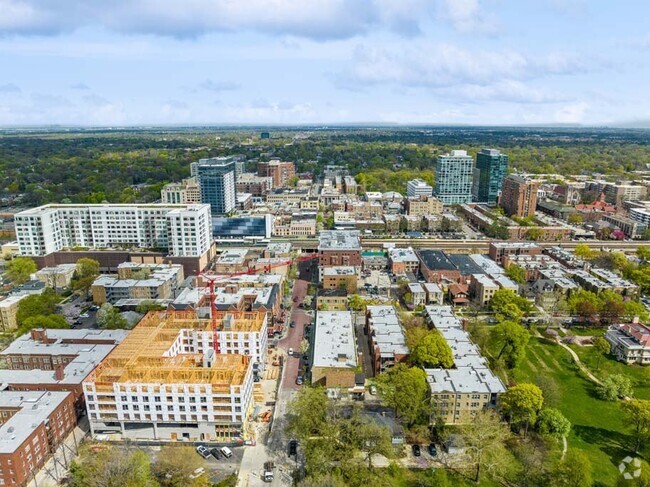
502,301
175,466
551,422
511,339
51,321
516,273
521,403
37,305
19,270
603,347
405,389
615,386
85,274
113,467
432,350
637,417
573,471
109,318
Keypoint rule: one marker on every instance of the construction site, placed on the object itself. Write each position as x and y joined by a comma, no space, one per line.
178,377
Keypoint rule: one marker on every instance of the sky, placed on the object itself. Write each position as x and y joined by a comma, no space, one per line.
182,62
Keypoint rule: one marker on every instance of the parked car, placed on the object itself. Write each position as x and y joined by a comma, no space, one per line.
226,452
84,315
203,451
432,450
416,450
373,389
293,447
216,453
290,352
292,324
299,380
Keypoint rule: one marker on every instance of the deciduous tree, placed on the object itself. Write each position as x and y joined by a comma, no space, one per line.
19,270
175,466
485,439
521,403
432,350
405,389
615,386
603,347
551,422
511,339
573,471
637,417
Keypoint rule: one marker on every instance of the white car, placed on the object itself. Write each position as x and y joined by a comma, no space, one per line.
290,352
84,315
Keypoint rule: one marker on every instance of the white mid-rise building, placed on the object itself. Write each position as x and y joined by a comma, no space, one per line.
417,188
184,230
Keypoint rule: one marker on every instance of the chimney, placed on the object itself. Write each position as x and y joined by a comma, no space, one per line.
58,372
39,335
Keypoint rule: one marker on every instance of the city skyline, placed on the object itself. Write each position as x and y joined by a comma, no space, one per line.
474,62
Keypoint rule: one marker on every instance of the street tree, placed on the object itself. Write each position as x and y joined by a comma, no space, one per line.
615,386
637,418
485,438
19,270
405,389
584,251
432,350
521,404
43,304
511,340
503,297
573,471
52,321
374,439
551,422
175,466
603,347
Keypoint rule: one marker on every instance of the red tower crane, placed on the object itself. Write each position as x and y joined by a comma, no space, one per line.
212,279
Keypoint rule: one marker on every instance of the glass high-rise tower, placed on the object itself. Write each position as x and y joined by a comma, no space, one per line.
454,173
217,179
491,169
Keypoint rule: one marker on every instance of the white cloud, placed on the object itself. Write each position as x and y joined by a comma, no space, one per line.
315,19
467,16
572,113
218,86
10,88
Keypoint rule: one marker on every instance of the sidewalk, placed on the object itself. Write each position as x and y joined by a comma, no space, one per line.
58,465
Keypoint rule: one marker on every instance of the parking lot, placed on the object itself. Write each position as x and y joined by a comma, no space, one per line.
79,312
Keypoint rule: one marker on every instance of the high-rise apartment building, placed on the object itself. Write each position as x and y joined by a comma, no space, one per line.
492,168
519,196
280,171
417,187
184,230
454,173
616,194
217,178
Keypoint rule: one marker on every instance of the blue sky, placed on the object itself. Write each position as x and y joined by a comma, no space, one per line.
493,62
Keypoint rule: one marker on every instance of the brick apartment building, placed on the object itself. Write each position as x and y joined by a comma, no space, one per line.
279,171
519,196
32,425
339,248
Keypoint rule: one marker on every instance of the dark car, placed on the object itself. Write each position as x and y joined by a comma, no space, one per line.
432,450
299,380
293,447
416,450
216,453
292,324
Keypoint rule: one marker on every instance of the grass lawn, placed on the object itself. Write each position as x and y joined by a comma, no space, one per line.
597,428
639,375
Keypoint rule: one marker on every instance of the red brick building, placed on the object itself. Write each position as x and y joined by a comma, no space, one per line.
32,425
339,248
280,171
519,196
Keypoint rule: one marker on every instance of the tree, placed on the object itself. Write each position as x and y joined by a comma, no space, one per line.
512,339
550,390
504,297
584,251
85,274
356,302
308,412
521,403
613,387
109,318
52,321
534,233
405,389
584,304
643,253
603,347
485,439
374,439
637,417
19,270
573,471
37,305
575,219
551,422
432,350
112,467
175,466
516,273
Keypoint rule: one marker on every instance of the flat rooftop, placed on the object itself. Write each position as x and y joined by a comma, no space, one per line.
343,270
387,331
32,409
334,341
232,256
339,240
436,260
466,266
402,255
488,265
